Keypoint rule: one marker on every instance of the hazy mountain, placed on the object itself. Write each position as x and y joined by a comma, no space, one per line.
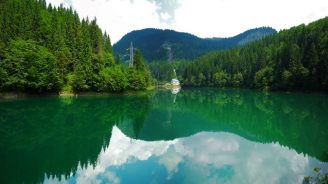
152,43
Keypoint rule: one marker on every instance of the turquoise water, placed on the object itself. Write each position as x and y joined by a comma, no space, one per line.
195,136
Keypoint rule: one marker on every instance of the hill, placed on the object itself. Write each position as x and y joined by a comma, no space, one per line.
184,45
293,59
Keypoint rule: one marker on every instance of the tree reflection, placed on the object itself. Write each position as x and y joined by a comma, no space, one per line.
52,136
291,119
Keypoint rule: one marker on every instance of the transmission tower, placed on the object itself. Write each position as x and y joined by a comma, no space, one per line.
131,49
169,52
169,55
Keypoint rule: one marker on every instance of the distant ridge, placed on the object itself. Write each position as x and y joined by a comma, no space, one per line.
184,45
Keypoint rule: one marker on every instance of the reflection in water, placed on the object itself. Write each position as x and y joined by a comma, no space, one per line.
66,139
175,90
53,136
202,158
295,120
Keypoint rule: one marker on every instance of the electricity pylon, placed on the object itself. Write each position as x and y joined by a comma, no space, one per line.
131,49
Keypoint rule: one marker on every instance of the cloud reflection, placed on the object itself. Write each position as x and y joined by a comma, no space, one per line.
206,157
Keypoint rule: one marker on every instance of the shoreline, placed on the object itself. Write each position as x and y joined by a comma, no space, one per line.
18,95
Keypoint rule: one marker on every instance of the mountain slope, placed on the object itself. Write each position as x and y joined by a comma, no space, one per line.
293,59
184,45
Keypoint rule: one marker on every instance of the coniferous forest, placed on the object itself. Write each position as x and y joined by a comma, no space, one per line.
81,120
293,59
154,42
46,49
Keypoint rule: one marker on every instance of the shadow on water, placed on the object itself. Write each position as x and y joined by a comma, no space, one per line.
52,136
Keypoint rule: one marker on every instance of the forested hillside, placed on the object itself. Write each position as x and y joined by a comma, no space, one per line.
50,49
293,59
152,43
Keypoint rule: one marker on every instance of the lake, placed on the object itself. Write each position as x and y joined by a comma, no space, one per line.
194,136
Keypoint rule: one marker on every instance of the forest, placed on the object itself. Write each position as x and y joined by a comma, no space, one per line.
293,59
47,49
153,43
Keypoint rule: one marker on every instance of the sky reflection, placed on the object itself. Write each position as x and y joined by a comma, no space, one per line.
206,157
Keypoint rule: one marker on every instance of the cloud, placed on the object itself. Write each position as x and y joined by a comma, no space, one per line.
206,157
166,9
122,148
68,3
213,18
65,3
207,18
171,160
112,178
118,17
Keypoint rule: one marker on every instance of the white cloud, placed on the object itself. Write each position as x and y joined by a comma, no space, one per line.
171,161
123,148
220,18
206,18
113,178
119,17
198,156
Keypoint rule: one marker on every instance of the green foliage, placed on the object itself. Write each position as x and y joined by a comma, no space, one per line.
286,77
294,59
161,70
264,78
68,87
109,59
139,61
237,79
113,79
49,49
221,78
138,80
184,45
28,67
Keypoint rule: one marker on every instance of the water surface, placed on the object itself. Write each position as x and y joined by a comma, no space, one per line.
195,136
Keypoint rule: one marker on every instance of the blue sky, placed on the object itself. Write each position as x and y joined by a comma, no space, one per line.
206,18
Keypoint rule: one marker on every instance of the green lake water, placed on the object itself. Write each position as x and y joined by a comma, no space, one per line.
194,136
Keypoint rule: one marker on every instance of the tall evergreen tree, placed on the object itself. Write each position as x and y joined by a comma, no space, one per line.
36,38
